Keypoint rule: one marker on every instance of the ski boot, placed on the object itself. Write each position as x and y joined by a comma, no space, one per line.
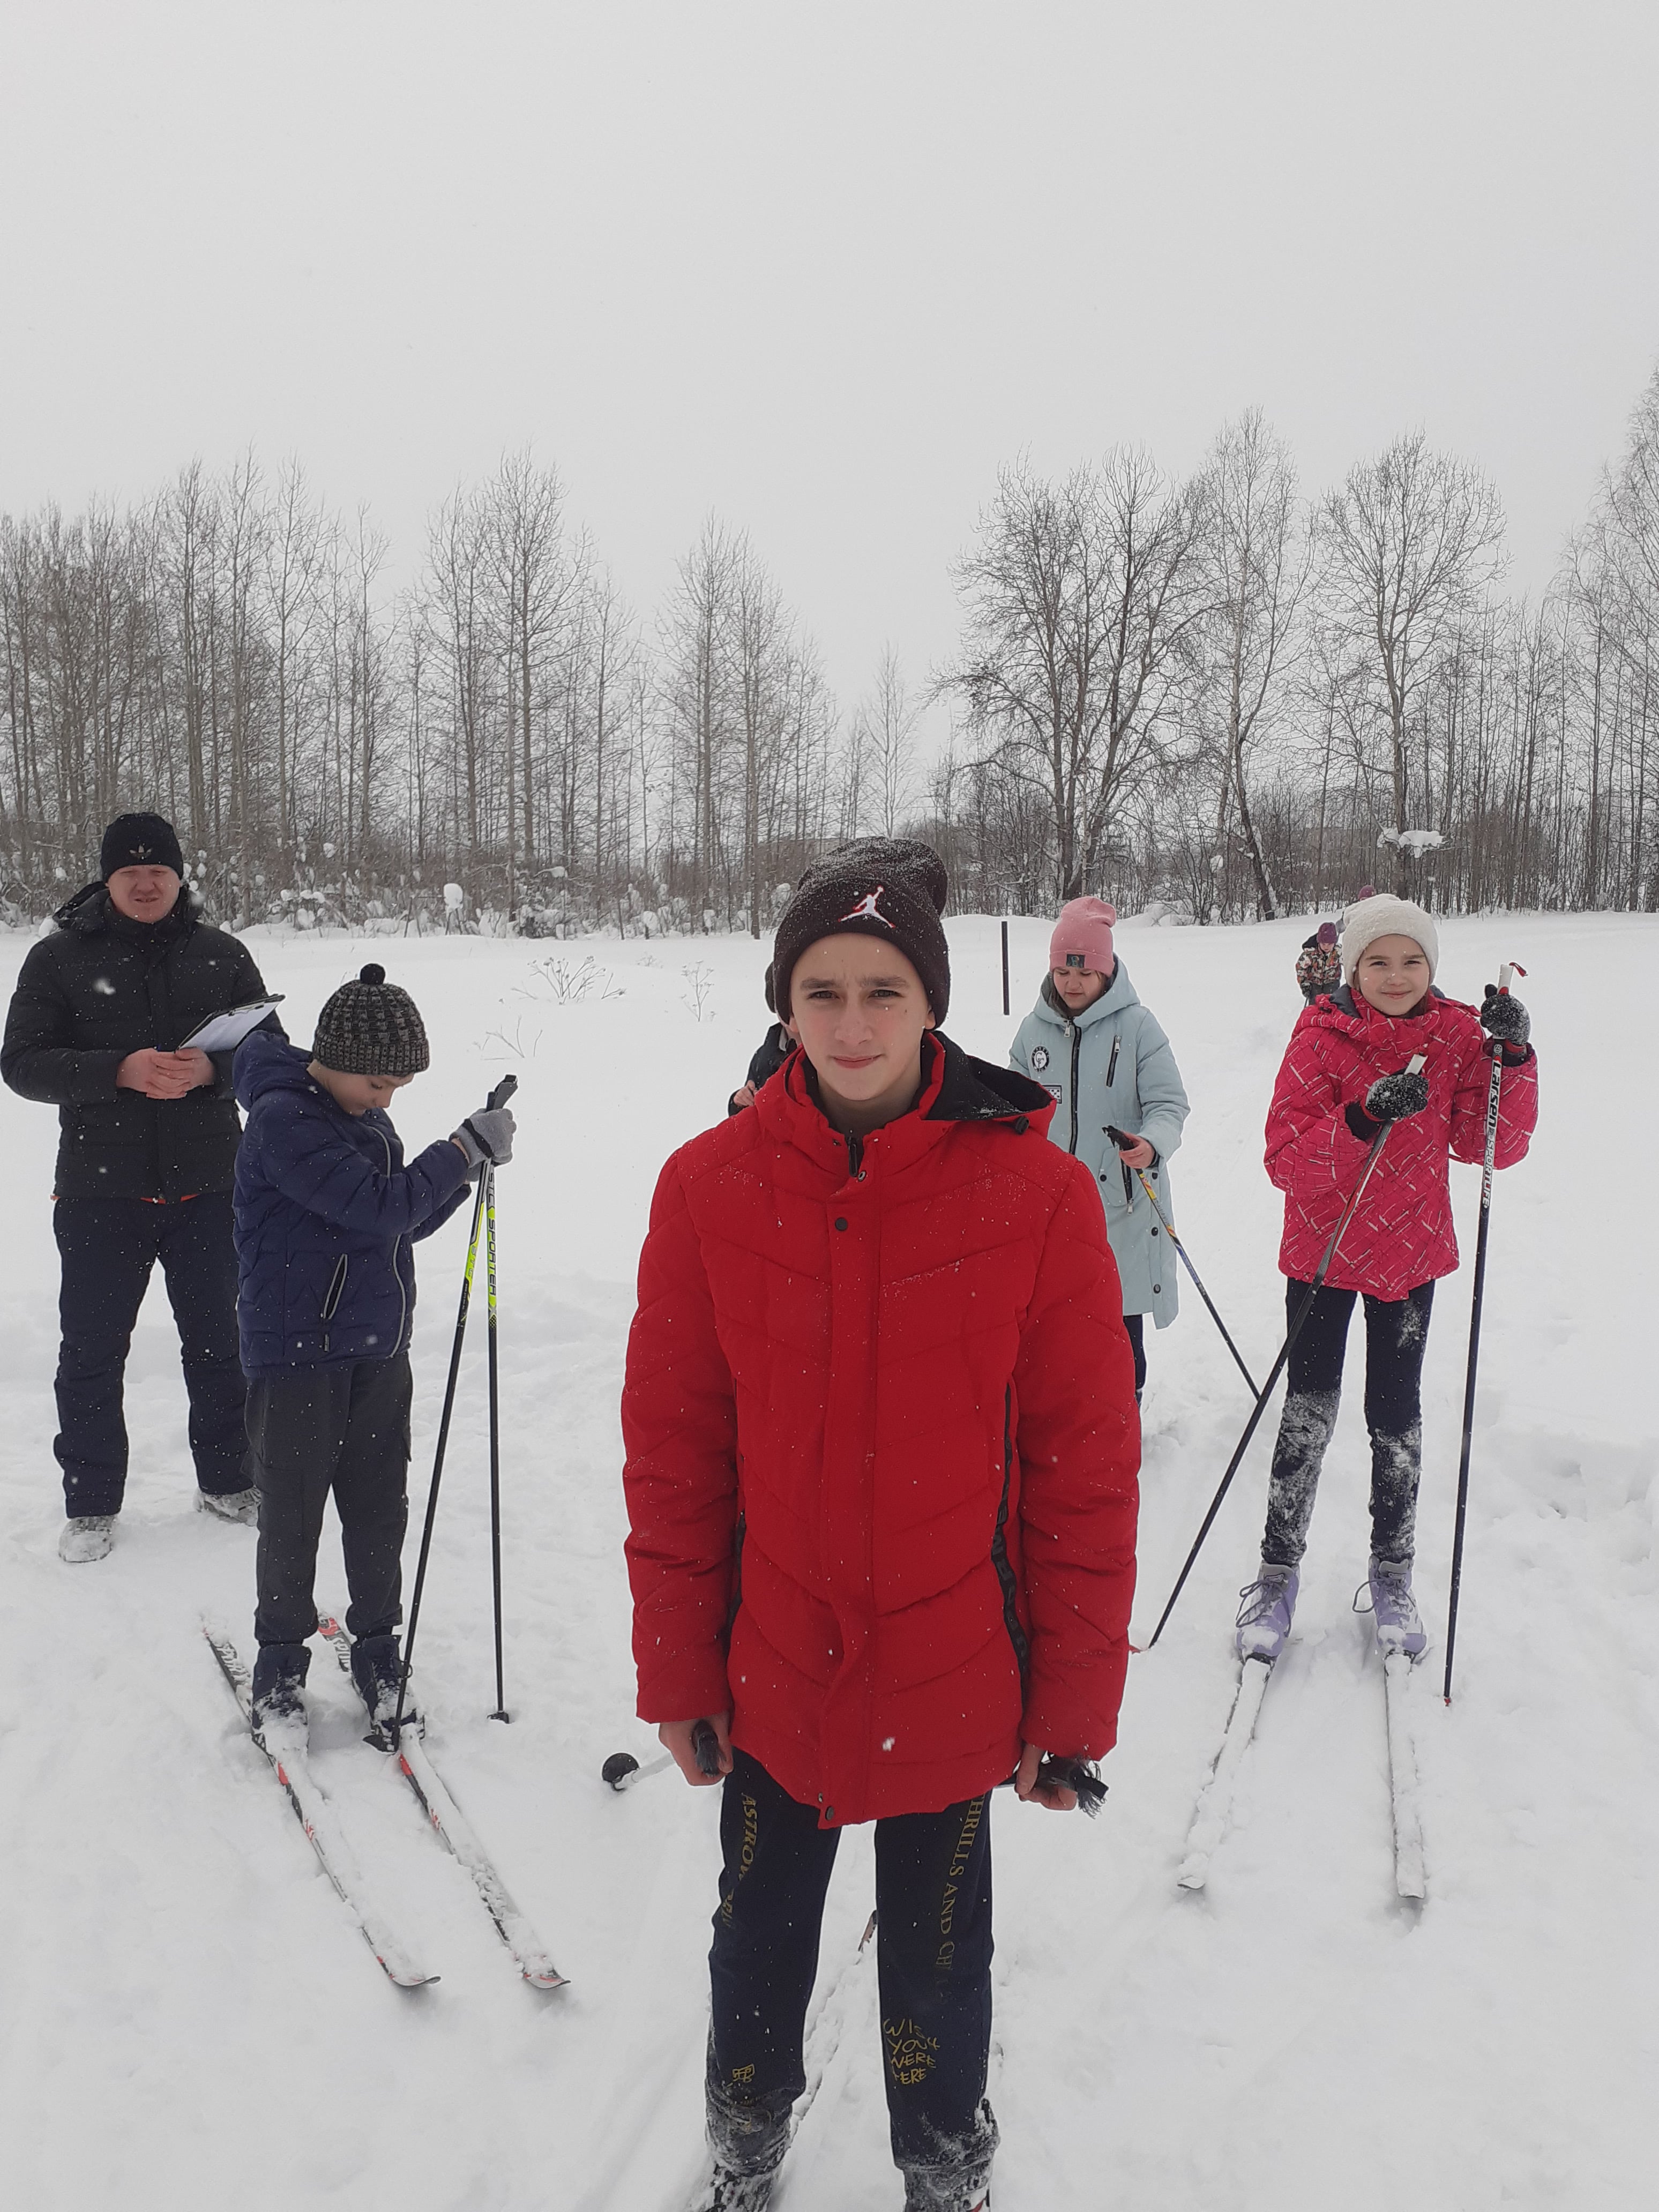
729,2191
963,2185
89,1536
1399,1624
1264,1614
376,1668
277,1704
239,1505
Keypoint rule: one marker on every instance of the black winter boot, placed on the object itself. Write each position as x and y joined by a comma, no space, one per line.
278,1701
376,1668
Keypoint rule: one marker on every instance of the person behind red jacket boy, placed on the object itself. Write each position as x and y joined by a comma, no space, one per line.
882,1451
1345,1077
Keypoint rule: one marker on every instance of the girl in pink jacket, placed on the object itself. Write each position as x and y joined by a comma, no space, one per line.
1342,1081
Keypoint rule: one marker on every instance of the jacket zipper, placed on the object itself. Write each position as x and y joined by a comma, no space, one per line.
855,1157
402,1295
331,1298
736,1601
1076,1048
1016,1635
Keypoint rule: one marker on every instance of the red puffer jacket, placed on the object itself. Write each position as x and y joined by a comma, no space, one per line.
882,1444
1401,1233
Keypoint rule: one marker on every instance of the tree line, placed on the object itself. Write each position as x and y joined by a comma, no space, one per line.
1215,694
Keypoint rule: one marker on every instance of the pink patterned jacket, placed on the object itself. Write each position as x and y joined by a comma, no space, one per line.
1402,1233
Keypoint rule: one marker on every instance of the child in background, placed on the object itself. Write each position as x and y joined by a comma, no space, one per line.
1106,1063
1319,964
325,1214
1340,1082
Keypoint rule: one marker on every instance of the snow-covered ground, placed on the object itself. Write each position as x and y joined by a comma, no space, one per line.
189,2020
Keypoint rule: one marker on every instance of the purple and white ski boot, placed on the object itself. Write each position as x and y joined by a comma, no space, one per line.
1264,1614
1399,1624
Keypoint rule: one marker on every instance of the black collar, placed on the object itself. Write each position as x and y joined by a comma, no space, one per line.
975,1091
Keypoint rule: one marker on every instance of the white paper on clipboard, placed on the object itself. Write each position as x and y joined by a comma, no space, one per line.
224,1032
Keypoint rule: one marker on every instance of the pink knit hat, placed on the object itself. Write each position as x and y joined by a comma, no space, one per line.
1082,937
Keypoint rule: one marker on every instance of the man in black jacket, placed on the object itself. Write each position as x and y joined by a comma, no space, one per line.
145,1163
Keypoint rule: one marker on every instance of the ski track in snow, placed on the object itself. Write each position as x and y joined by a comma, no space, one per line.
188,2017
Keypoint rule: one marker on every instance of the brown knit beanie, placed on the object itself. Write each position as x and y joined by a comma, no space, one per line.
371,1027
893,888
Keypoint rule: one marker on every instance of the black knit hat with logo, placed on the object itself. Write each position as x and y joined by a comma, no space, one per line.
371,1027
892,888
140,841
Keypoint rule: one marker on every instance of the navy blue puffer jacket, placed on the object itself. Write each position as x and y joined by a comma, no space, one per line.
326,1214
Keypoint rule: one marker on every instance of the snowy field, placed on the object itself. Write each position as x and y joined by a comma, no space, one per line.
191,2023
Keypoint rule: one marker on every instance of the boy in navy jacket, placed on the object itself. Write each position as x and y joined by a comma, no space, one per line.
326,1214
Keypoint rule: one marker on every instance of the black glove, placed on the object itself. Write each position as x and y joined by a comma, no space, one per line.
1390,1098
1507,1023
486,1135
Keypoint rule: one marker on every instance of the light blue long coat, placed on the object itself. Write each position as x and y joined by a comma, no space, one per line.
1113,1063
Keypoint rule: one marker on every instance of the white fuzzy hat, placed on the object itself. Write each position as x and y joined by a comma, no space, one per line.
1386,916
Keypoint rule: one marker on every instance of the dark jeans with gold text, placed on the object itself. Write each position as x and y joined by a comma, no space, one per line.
932,1961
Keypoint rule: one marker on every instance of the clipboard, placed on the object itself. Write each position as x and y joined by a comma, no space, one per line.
224,1032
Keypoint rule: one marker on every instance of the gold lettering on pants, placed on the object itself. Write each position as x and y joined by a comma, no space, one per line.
911,2056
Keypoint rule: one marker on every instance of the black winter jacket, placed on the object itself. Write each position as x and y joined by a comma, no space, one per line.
770,1054
99,987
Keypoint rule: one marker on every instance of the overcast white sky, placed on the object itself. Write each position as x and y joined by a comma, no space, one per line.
819,268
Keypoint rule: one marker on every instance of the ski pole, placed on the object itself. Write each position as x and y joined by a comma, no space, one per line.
499,1096
1414,1067
500,1712
1494,1091
1118,1138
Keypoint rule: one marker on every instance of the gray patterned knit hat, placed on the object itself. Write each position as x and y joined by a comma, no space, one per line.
371,1027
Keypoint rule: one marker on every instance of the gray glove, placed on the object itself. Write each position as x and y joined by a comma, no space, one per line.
1505,1020
1395,1098
486,1135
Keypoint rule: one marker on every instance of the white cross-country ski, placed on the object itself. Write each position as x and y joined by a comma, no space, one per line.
1409,1877
530,1954
1215,1800
316,1814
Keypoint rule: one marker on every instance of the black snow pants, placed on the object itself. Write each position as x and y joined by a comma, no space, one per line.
934,1963
108,1246
1396,1334
1135,1325
313,1429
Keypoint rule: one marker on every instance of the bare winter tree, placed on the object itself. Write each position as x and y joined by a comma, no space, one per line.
880,759
535,577
1409,544
1081,598
699,709
761,642
1255,558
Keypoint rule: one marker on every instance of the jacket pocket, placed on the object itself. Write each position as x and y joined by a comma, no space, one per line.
336,1284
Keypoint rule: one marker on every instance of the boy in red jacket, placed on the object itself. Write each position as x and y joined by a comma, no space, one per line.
882,1450
1340,1082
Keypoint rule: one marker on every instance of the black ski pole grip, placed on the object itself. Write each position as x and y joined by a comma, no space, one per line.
503,1091
706,1748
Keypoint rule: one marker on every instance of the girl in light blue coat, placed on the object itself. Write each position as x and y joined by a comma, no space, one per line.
1108,1066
